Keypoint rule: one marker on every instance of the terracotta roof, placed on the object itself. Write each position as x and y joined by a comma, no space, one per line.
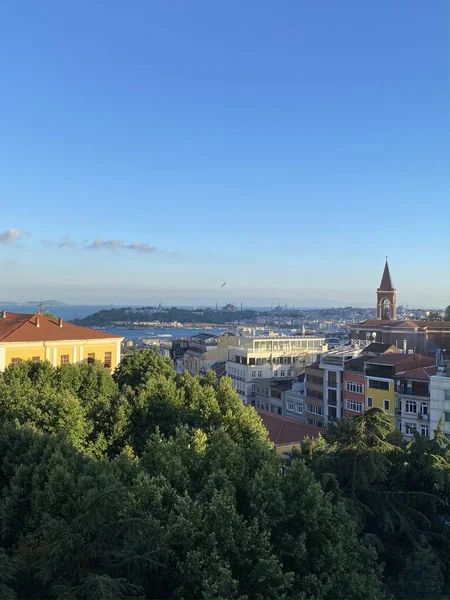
16,327
421,374
377,347
283,430
386,281
411,361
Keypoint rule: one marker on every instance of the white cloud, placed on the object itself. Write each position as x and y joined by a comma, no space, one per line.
10,235
119,244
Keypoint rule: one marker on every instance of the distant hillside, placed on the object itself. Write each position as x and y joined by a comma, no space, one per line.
107,318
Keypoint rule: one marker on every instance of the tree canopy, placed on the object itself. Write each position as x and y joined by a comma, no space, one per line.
149,484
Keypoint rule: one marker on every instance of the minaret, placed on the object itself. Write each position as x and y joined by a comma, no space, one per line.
386,297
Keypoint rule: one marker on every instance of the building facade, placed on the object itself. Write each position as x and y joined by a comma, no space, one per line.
269,357
380,374
440,400
38,338
412,401
314,386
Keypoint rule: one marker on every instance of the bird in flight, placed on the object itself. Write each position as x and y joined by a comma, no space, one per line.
223,284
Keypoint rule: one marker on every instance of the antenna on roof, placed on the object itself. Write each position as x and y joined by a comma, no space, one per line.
41,306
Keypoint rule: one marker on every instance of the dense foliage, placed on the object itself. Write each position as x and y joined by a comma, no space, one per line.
154,485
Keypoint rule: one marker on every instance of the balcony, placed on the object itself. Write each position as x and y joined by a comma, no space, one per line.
410,396
423,417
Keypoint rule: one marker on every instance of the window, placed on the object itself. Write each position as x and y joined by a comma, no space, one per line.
282,373
64,359
14,361
290,406
299,409
314,379
253,373
91,357
272,408
386,404
447,417
316,410
279,411
108,359
369,402
267,391
410,406
259,373
409,428
289,373
378,385
354,387
424,430
332,378
424,409
353,405
36,358
275,374
399,425
253,387
257,390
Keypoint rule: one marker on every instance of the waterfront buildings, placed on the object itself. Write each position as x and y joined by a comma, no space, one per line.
255,358
38,338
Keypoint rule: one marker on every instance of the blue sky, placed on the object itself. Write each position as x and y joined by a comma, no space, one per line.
283,147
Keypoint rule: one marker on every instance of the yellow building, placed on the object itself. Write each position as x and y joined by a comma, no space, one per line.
380,393
35,337
380,373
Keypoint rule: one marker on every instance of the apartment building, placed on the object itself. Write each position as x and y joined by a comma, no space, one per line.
268,357
440,400
333,365
294,400
313,405
354,386
269,394
412,401
198,353
380,374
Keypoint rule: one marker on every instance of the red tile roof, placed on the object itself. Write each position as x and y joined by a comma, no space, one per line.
421,374
16,327
283,430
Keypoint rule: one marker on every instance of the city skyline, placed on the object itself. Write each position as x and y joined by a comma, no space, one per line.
158,160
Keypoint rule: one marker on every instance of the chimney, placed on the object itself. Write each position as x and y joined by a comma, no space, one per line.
37,321
60,322
3,314
404,346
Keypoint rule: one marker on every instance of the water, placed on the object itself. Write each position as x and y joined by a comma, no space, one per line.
162,334
68,312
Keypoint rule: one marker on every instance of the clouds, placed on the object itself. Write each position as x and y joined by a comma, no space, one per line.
65,242
120,245
100,244
11,235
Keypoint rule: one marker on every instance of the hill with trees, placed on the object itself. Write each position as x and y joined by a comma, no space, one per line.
148,484
107,318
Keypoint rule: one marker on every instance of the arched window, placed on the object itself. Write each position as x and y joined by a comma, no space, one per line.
410,406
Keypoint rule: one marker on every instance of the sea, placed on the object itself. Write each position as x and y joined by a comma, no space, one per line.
79,311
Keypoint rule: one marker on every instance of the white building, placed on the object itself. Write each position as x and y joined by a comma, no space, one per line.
266,357
440,401
333,364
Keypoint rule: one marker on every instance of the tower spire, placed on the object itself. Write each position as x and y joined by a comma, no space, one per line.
386,296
